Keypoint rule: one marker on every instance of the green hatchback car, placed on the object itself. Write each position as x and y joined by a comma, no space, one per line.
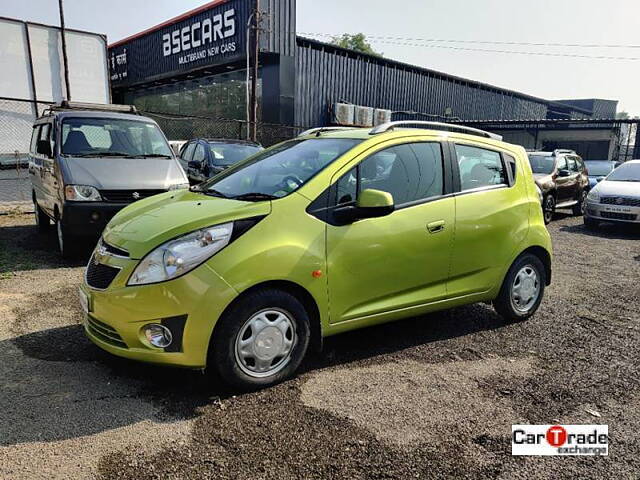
329,232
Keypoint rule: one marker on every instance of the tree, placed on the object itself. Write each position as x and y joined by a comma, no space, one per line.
357,42
622,115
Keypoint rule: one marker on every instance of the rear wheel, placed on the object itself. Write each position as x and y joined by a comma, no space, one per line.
261,340
578,208
42,219
548,208
522,289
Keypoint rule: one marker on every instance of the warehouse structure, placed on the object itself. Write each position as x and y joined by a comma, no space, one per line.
196,65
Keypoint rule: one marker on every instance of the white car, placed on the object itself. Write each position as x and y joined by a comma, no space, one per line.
616,198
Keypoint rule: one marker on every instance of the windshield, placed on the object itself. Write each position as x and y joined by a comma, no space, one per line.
542,163
280,170
229,153
102,137
629,172
599,169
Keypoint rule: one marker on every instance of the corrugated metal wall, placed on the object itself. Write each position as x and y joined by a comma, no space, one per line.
325,75
278,25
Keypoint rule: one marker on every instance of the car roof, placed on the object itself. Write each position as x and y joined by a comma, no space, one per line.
229,140
95,114
365,134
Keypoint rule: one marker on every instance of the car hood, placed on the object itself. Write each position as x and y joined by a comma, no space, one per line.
124,173
625,189
148,223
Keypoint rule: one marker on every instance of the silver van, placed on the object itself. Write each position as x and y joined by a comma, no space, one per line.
89,161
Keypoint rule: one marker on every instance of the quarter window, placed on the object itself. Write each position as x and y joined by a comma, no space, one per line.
410,173
511,163
479,168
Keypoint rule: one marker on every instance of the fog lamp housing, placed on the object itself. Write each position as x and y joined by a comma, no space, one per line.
158,335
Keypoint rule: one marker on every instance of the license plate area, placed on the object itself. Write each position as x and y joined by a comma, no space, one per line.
617,209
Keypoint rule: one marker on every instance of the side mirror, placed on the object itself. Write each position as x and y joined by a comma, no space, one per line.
371,204
563,173
43,147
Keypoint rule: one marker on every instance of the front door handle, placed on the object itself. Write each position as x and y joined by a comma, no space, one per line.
435,227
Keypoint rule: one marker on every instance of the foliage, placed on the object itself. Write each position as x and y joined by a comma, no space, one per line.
356,42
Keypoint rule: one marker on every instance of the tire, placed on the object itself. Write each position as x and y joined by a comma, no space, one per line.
578,209
506,305
548,208
42,219
66,242
271,317
590,223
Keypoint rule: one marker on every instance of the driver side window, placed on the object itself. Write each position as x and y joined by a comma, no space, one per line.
562,163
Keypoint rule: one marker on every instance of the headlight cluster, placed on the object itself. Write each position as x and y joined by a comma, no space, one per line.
81,193
593,196
181,255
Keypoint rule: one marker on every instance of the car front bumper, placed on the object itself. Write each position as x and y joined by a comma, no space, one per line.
612,213
88,218
190,306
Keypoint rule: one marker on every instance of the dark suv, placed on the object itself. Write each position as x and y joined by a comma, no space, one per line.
562,179
203,158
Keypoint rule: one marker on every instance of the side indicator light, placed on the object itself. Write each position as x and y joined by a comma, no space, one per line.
316,273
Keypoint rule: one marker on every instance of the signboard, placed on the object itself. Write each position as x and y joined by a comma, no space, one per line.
214,36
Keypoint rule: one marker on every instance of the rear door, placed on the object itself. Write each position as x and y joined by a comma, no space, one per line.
400,262
492,217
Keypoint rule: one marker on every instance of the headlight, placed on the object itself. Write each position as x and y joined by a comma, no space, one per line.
178,186
81,193
181,255
540,196
593,196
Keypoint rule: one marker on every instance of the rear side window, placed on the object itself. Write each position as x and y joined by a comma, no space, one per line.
479,167
410,173
187,153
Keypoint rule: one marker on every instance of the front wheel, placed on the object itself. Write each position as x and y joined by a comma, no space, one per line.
261,340
578,209
522,290
548,208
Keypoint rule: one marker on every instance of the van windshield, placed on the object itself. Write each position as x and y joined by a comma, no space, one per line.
542,163
112,137
278,171
628,172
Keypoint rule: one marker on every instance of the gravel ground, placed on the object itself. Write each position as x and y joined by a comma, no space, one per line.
429,397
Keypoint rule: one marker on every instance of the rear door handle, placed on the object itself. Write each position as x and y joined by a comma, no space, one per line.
435,227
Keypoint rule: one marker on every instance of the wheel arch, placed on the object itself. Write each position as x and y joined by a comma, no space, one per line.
299,292
544,257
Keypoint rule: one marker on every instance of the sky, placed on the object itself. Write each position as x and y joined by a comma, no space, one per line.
459,24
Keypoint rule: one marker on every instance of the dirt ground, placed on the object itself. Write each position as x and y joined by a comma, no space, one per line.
430,397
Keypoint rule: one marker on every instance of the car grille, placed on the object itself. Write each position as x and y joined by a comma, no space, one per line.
626,201
110,249
104,332
618,216
127,196
100,276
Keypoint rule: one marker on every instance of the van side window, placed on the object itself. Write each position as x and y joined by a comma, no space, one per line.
479,167
35,136
409,172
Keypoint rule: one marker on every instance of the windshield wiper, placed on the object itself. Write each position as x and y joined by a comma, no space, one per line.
255,196
210,192
98,154
150,155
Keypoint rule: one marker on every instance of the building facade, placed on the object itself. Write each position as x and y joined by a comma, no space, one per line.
196,65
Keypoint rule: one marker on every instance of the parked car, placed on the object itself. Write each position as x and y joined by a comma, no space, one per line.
616,198
598,170
204,158
87,162
313,237
562,178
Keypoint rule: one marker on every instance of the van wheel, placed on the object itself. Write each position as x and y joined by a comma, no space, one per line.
522,290
66,242
578,208
548,208
261,340
42,219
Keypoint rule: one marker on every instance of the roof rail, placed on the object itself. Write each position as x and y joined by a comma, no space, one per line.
563,150
385,127
65,105
319,130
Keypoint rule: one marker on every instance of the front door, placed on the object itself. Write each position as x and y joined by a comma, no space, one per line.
399,262
566,185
